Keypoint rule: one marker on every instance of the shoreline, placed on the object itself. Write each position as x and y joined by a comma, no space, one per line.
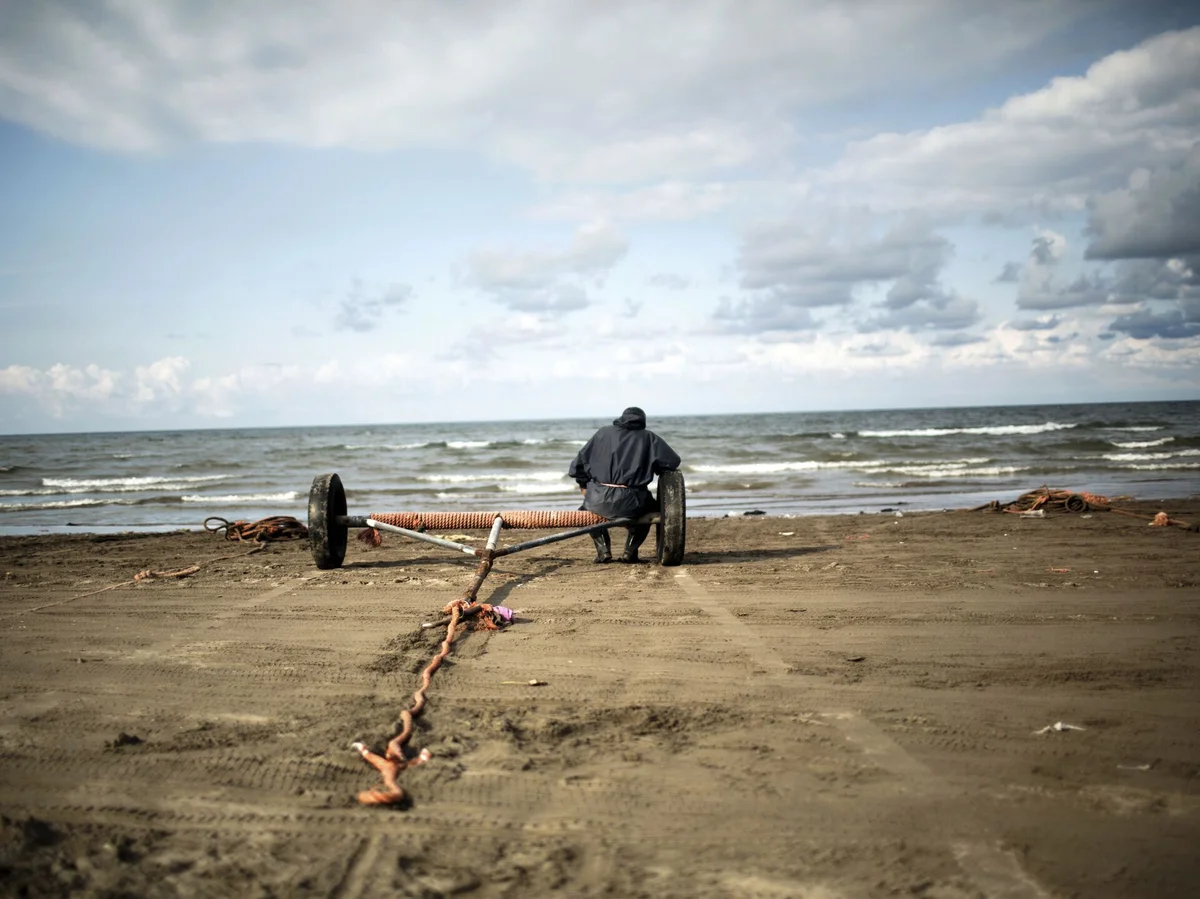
902,505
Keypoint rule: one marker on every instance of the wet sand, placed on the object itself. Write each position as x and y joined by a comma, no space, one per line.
819,707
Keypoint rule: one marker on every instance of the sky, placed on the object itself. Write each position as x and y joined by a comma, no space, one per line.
322,212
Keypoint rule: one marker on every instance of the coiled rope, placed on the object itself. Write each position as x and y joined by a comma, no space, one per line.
1047,498
278,527
265,530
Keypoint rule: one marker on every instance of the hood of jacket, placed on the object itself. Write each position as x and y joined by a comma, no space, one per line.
632,419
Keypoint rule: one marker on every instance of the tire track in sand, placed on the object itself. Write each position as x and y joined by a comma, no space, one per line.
995,872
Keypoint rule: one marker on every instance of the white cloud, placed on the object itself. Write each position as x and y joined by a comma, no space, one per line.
548,281
1049,149
19,379
62,388
612,92
160,379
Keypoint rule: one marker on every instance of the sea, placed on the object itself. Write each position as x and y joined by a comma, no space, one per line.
780,464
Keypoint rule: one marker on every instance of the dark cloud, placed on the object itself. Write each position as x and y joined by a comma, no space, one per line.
1045,250
943,311
784,257
1166,294
1089,289
788,269
1145,324
362,310
1155,279
1010,274
1156,217
761,315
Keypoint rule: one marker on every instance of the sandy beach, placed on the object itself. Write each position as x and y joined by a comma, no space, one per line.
818,707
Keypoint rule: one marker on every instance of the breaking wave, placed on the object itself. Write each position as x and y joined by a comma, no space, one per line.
988,430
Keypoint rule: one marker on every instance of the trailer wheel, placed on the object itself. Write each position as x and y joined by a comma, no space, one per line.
671,530
327,538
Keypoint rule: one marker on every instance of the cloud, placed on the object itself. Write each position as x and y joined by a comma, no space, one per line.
548,281
956,339
788,269
224,395
670,200
18,379
1010,274
760,315
1156,279
1144,324
1156,216
1048,248
160,380
1043,323
62,389
1167,298
937,311
670,281
1042,294
1050,149
877,350
614,92
486,340
363,311
1042,288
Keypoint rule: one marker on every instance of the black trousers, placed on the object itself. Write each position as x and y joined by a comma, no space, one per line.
620,502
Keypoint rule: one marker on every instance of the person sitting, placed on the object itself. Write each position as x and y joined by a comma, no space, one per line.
614,470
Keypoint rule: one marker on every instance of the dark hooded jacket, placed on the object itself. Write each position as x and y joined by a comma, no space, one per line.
618,463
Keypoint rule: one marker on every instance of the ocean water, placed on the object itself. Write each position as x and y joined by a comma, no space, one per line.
780,464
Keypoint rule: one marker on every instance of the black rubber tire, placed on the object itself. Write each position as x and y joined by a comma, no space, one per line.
671,531
326,501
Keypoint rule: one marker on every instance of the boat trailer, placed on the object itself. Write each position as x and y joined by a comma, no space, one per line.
329,524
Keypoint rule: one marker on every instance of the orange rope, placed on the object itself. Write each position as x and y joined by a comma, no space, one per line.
276,527
446,521
393,761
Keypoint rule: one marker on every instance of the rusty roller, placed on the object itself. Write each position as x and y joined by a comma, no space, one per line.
329,523
481,521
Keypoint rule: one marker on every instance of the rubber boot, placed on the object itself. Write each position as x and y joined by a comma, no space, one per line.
636,537
603,548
